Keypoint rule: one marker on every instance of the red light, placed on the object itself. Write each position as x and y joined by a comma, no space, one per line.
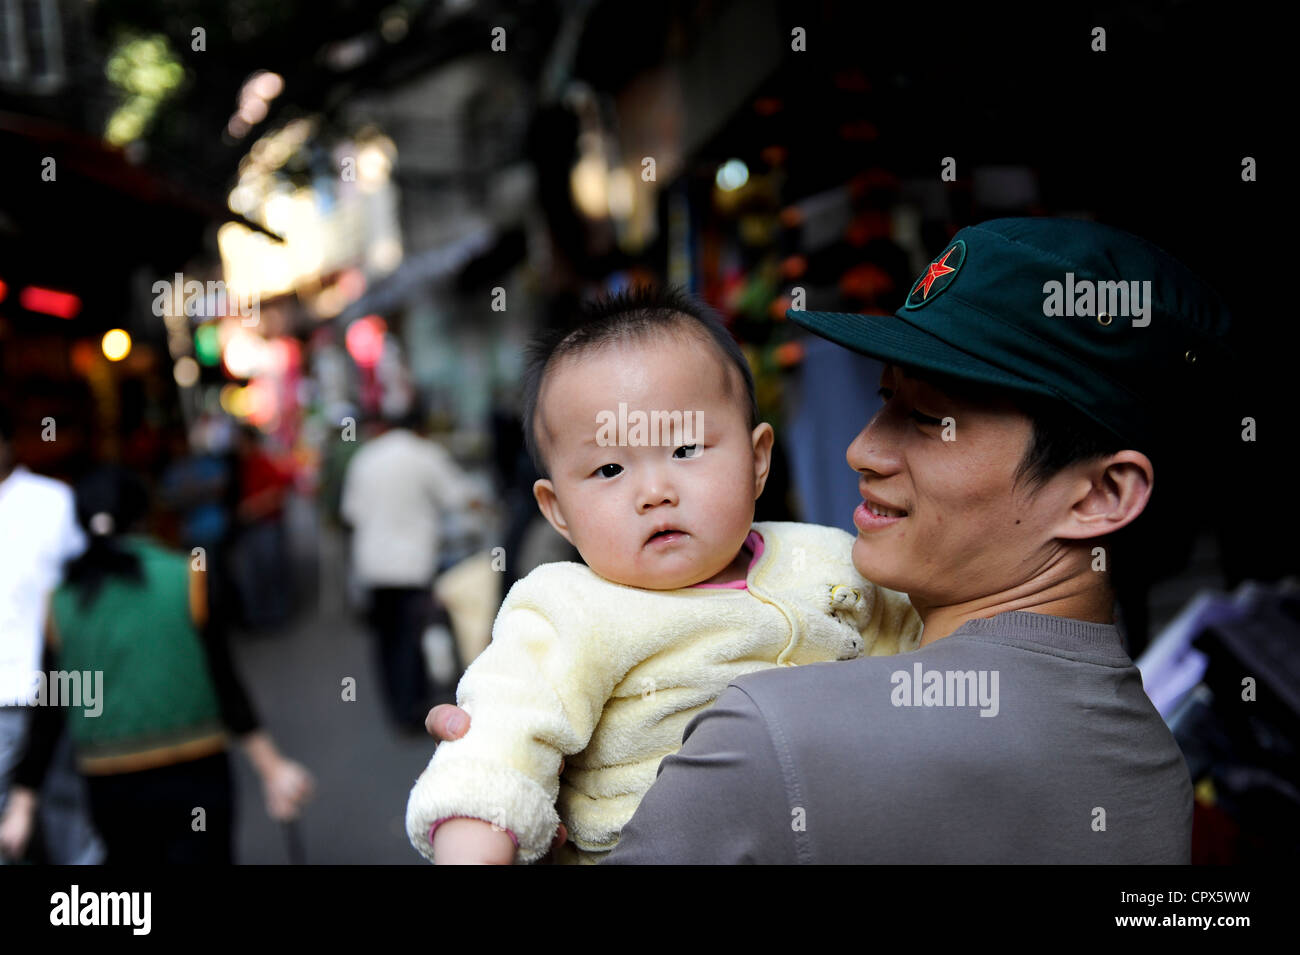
49,302
365,340
4,290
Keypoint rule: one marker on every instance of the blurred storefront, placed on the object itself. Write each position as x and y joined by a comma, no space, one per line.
83,355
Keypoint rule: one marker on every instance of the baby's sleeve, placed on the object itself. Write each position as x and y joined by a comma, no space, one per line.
533,696
892,625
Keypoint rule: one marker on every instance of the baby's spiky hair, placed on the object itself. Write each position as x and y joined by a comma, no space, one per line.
634,314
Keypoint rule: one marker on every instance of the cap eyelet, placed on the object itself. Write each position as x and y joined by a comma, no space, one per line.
1104,318
1191,357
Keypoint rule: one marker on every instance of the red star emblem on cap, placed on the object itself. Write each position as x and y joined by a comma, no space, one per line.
935,270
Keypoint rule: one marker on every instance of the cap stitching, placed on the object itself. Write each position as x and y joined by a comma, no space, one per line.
1214,300
1047,253
1212,297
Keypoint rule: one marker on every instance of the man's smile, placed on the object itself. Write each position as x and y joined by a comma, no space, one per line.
874,514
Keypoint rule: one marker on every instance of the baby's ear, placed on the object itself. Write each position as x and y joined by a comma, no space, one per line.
549,505
762,437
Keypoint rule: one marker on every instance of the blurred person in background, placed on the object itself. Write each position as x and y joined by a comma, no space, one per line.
168,701
259,558
38,532
395,489
199,488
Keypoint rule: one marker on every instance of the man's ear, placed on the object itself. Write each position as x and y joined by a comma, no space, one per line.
762,437
1112,492
549,504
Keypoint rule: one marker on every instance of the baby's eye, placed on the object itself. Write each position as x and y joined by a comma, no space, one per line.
605,470
692,451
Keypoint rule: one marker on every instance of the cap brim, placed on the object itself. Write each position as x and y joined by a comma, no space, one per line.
892,339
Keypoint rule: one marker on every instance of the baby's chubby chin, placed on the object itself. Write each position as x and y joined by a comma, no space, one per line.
665,563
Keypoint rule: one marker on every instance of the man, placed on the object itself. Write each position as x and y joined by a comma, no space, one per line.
1001,481
393,490
38,534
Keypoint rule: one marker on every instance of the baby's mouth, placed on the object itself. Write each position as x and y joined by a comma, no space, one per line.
671,533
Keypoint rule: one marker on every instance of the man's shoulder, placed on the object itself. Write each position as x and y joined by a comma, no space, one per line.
863,684
787,685
908,735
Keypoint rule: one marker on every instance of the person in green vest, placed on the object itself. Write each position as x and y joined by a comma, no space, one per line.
159,698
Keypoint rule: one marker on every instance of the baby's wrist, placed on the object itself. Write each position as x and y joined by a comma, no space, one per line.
471,840
492,825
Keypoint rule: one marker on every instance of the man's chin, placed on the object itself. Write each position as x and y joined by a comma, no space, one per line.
871,564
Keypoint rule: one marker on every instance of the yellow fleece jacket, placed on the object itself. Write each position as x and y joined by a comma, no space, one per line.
606,677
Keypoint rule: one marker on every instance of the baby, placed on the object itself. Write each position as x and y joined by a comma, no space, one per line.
643,423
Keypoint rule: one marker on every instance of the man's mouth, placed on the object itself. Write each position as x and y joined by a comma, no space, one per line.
871,516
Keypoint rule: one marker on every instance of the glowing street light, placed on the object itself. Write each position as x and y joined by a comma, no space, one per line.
116,344
732,174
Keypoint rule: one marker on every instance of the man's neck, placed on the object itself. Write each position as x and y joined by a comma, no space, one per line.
1090,599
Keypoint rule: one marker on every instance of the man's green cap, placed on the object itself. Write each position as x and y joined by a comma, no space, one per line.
1091,316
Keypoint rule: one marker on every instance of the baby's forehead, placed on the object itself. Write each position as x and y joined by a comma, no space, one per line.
660,356
578,373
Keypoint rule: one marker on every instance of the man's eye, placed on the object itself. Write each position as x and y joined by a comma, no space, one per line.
692,451
605,470
887,393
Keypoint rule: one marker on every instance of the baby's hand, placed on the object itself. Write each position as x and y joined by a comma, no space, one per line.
472,842
447,722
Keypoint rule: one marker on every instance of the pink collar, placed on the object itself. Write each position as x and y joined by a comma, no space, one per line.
753,544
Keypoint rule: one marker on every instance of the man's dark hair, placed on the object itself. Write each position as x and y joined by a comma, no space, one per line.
6,424
1061,436
635,314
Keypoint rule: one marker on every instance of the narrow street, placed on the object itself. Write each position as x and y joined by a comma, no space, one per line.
363,767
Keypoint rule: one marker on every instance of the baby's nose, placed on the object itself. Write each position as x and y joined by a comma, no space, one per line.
655,493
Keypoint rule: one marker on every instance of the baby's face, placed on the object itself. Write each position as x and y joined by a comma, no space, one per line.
644,508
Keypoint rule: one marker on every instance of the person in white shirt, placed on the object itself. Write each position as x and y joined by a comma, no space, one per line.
39,531
395,490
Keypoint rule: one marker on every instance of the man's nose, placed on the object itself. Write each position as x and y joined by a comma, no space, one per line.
874,449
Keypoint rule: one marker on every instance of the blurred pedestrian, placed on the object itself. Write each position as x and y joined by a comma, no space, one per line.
259,563
200,488
38,531
393,491
153,747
